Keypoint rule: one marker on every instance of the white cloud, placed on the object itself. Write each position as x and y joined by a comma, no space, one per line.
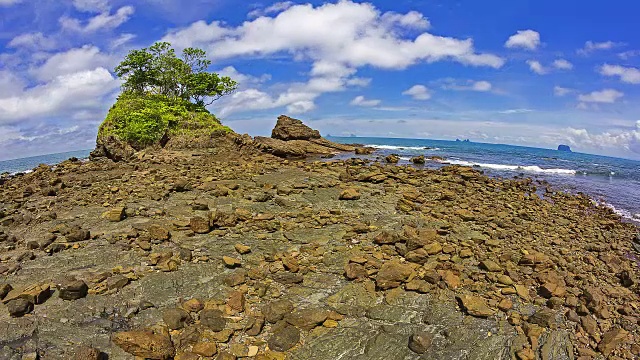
361,101
607,96
95,6
526,39
74,60
626,55
537,67
102,21
561,91
346,33
34,41
273,9
626,74
10,83
418,92
469,85
9,2
562,64
243,80
591,46
515,111
121,40
81,90
628,141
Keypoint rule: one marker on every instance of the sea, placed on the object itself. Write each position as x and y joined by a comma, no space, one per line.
610,181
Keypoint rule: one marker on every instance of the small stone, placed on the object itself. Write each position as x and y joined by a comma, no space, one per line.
526,354
466,253
78,235
72,289
490,266
236,301
474,306
276,310
307,319
611,340
505,280
242,249
392,274
284,338
206,349
115,215
355,271
238,277
200,225
213,319
145,344
349,194
160,233
330,324
392,159
87,353
239,350
193,305
4,290
175,318
545,318
420,342
117,282
231,262
505,305
19,307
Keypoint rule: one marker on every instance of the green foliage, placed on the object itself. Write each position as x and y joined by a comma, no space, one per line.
157,70
143,120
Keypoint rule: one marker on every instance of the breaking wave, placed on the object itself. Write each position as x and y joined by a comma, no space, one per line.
501,167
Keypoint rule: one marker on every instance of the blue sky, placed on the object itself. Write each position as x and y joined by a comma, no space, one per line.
535,73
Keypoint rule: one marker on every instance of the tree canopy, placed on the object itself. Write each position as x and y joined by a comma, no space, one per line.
157,70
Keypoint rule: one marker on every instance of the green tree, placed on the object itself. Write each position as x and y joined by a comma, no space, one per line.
157,70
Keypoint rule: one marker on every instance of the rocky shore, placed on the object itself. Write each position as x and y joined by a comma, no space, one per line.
247,250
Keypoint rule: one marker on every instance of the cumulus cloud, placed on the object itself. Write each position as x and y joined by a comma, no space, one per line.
626,74
361,101
561,91
525,39
626,55
537,67
71,61
591,46
65,93
608,140
243,80
33,41
607,96
102,21
562,64
418,92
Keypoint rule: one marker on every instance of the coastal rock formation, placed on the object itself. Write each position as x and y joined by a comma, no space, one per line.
232,252
564,148
292,139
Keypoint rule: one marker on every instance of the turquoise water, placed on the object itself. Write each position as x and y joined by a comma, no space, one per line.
609,180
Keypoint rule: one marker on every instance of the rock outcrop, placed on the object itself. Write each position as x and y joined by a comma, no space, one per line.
564,148
292,139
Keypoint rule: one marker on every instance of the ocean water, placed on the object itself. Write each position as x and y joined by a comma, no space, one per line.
611,181
28,163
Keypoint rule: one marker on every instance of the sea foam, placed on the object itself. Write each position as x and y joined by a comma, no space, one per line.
502,167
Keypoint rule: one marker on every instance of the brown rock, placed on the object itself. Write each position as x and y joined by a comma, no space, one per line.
199,225
293,129
242,249
307,319
349,194
176,318
420,342
418,160
115,215
145,344
231,262
284,338
206,349
276,310
475,306
392,159
193,305
490,266
19,307
236,301
72,289
355,271
393,274
213,319
87,353
4,290
611,340
157,232
385,238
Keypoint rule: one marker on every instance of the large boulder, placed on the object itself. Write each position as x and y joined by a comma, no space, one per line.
293,129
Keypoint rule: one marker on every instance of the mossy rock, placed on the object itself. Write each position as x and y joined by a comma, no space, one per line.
136,122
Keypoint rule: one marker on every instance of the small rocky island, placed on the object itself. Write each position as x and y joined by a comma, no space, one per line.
188,241
564,148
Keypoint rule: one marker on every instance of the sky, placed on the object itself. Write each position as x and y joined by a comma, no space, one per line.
533,73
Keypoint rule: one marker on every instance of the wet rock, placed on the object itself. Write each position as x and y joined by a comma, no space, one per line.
392,274
611,340
72,289
392,159
284,338
420,342
349,194
475,306
175,319
213,319
418,160
145,344
19,307
307,319
276,310
115,215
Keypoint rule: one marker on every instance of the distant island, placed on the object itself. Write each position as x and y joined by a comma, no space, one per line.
564,148
466,140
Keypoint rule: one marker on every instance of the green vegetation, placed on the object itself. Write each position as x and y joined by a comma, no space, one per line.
165,96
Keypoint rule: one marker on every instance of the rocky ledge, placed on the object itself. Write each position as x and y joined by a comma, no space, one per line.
230,252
